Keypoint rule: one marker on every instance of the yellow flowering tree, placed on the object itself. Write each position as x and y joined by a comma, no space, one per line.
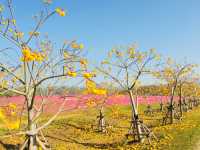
188,90
98,95
174,75
125,66
35,67
98,99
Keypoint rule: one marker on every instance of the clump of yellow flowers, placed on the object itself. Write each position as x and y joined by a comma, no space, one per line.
19,34
83,62
71,73
29,56
75,45
11,122
92,89
90,102
60,12
88,75
34,34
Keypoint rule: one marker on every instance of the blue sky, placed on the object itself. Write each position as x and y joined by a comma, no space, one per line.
170,26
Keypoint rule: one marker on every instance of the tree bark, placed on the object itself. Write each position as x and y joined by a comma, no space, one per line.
171,107
101,123
180,101
32,137
135,118
32,143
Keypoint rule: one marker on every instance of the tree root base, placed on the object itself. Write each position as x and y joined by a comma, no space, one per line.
140,137
40,141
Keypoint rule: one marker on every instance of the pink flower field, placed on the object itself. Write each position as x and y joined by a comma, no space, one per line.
53,103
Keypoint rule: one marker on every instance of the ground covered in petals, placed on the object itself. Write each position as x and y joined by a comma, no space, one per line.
76,130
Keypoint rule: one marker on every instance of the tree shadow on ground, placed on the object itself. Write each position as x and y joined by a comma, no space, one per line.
77,127
94,145
9,146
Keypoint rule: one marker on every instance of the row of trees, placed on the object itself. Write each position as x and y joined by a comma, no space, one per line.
129,65
31,65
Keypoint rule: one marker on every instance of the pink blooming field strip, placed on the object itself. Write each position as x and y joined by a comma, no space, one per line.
124,99
53,103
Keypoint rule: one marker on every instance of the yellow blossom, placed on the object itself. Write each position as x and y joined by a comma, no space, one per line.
65,54
81,46
28,55
12,106
39,57
88,75
131,52
60,12
13,124
13,21
19,34
90,103
71,74
13,113
10,123
34,34
91,88
2,116
83,62
99,91
75,45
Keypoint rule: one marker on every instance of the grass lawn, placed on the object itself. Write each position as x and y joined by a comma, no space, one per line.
76,131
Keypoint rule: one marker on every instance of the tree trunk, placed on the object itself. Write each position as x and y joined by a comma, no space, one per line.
30,95
180,101
161,106
32,143
171,111
171,114
171,107
101,122
185,104
135,118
